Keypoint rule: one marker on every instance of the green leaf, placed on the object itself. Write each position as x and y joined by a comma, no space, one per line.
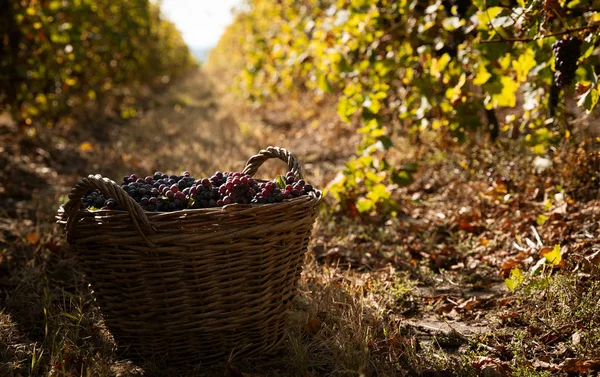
358,4
378,192
410,167
516,279
589,99
402,178
386,142
346,109
554,256
280,181
365,205
324,84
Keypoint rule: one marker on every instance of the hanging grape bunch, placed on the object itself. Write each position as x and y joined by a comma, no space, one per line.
566,54
166,193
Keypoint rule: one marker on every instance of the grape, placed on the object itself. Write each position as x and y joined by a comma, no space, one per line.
238,189
566,54
162,192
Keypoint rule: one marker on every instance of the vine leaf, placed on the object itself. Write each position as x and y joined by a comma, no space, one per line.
506,97
553,256
523,65
515,279
589,99
482,75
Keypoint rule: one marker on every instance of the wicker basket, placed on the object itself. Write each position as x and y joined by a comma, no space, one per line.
193,286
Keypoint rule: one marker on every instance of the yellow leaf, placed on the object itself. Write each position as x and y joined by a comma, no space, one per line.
86,146
434,69
505,61
523,65
485,17
507,97
553,256
482,75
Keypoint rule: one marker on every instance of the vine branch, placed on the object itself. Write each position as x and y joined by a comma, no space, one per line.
568,31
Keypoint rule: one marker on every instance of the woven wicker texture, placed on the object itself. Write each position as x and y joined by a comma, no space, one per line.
195,285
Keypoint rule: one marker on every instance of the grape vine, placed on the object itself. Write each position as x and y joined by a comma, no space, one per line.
56,56
400,67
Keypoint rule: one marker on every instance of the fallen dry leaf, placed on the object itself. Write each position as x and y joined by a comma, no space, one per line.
491,367
33,238
312,326
574,365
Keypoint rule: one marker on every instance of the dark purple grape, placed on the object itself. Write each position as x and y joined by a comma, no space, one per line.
566,54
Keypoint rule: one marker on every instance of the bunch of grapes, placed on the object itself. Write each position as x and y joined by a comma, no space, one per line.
566,54
165,193
95,199
238,188
203,194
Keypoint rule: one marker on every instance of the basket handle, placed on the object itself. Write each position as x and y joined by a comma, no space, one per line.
112,190
283,154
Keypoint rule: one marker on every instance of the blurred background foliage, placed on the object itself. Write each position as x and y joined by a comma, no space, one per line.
59,57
